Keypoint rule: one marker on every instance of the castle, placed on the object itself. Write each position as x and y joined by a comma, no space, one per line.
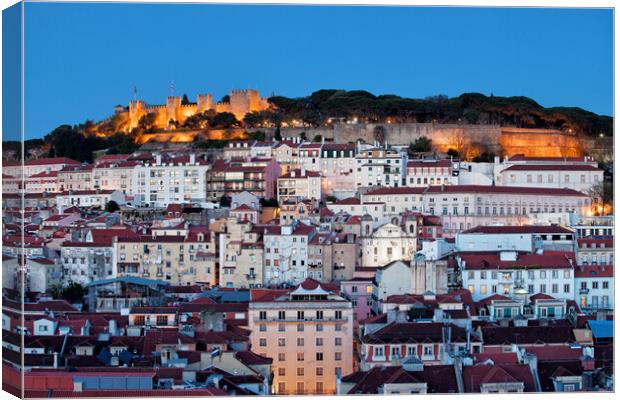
241,102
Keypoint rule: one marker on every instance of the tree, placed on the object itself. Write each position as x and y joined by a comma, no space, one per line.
331,199
317,138
147,121
379,133
112,206
225,99
484,157
224,120
453,153
302,135
277,135
421,145
184,100
224,201
73,292
603,195
257,135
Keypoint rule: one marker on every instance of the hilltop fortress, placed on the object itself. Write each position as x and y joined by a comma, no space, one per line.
241,102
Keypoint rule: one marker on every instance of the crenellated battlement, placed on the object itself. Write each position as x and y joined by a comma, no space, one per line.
242,101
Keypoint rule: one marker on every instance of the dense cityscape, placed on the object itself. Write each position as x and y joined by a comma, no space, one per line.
295,266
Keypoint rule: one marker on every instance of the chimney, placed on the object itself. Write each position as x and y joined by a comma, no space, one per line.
303,171
192,158
55,359
158,159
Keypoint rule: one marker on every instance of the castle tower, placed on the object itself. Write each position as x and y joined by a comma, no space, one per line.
173,108
137,109
204,102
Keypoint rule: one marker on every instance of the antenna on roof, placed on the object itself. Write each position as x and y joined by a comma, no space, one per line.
135,92
171,88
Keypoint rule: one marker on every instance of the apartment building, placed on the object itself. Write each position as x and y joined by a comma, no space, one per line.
594,287
42,182
166,180
514,274
178,260
286,252
422,173
299,184
308,332
88,198
381,167
241,255
595,251
466,206
75,177
338,166
116,175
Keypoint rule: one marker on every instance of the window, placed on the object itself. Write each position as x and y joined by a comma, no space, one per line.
605,285
338,315
378,351
281,342
281,327
338,372
543,288
554,288
483,274
262,342
319,327
281,314
262,315
319,341
543,274
338,356
300,387
300,315
338,327
300,327
300,371
281,371
319,356
319,315
554,274
262,328
300,341
319,371
338,341
319,387
281,357
594,285
566,288
162,320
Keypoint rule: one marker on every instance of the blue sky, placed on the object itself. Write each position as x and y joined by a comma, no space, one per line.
82,59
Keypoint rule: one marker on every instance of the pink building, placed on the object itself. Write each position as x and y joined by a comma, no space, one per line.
359,292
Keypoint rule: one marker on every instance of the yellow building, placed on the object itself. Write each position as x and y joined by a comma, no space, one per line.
178,260
307,331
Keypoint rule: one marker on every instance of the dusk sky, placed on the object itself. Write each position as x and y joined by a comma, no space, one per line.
82,59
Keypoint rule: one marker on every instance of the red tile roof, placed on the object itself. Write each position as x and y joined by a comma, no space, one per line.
523,229
491,260
594,271
476,375
554,167
52,161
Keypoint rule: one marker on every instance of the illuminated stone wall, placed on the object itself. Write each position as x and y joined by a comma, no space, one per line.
241,103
